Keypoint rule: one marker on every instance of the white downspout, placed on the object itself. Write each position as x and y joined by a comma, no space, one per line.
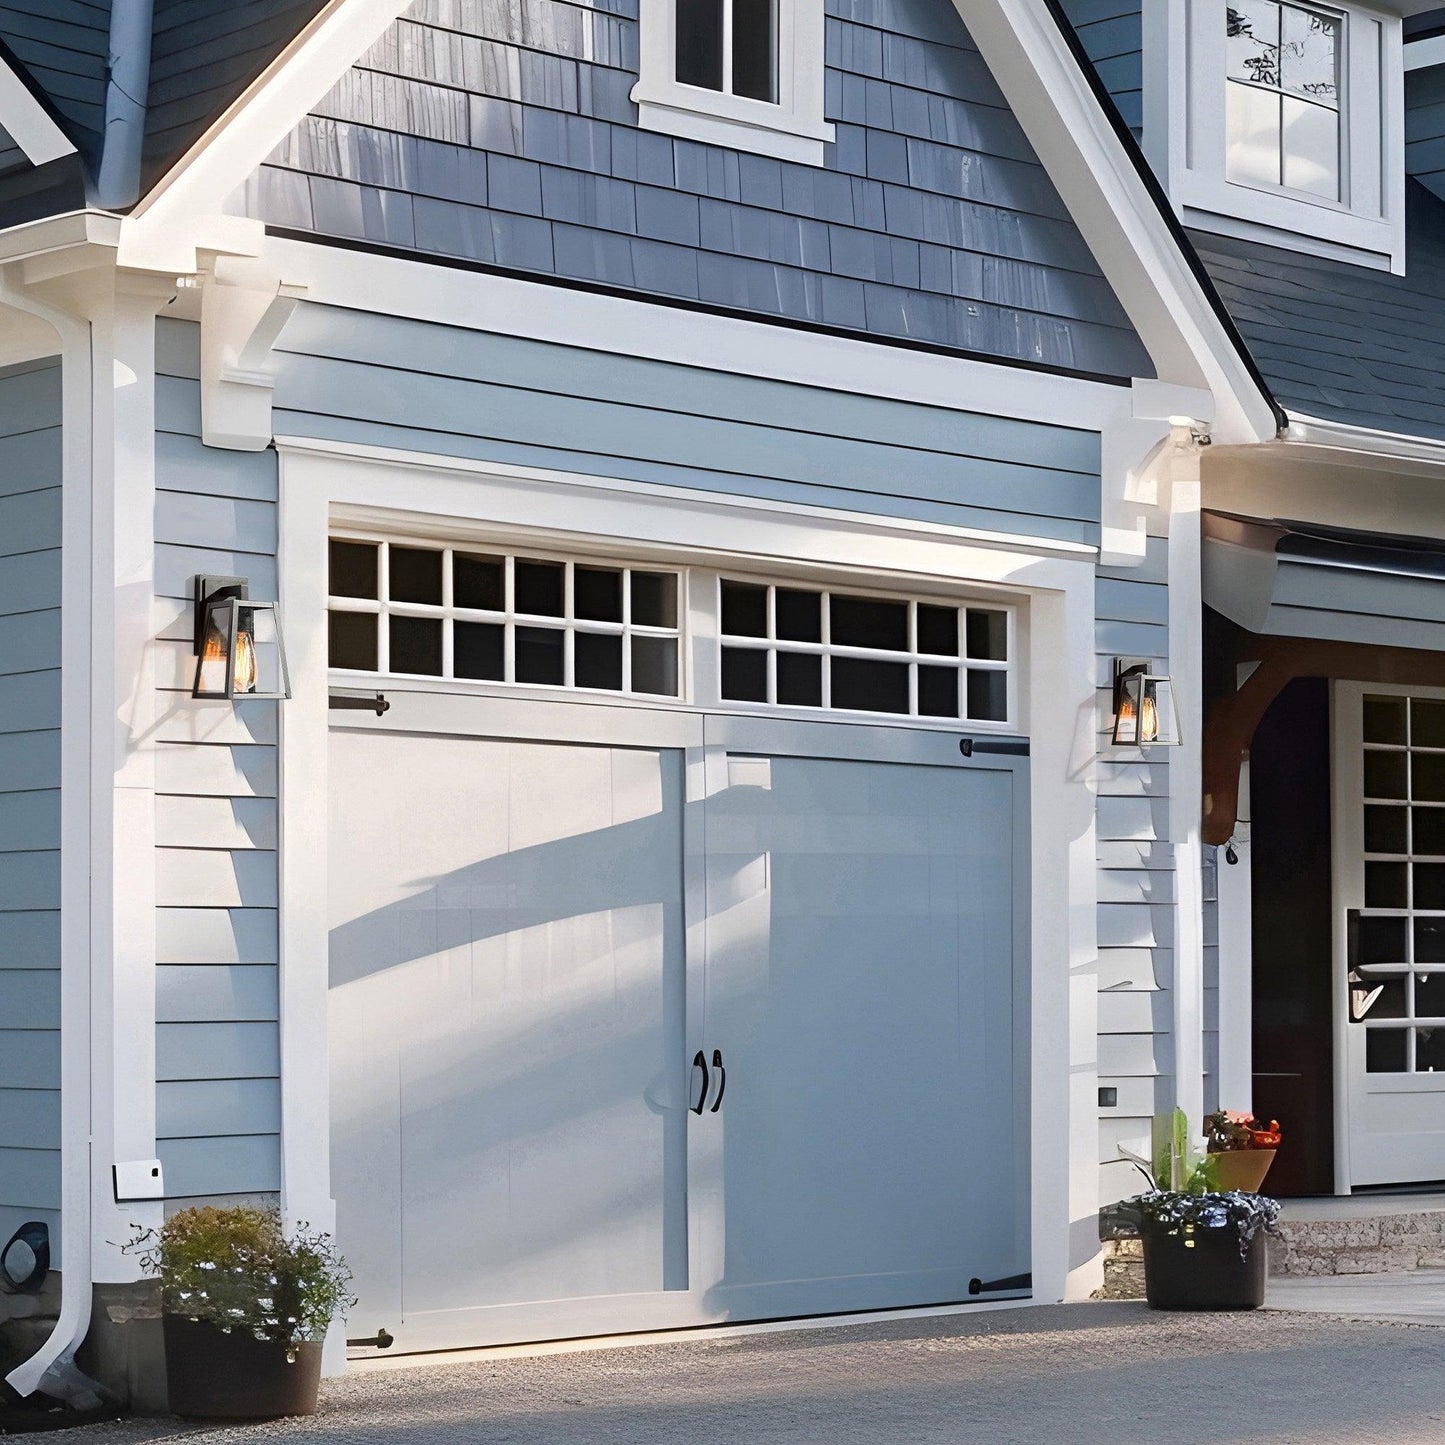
52,1367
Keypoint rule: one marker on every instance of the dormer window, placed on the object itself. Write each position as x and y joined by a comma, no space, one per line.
1289,126
747,74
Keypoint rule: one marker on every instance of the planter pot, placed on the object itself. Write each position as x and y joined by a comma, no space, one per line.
235,1376
1201,1269
1242,1168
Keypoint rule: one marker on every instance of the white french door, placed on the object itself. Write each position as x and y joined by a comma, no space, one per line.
1389,884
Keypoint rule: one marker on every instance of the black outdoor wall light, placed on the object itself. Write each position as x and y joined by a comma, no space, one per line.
240,652
1144,712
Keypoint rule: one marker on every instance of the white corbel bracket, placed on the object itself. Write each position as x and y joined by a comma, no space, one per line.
244,306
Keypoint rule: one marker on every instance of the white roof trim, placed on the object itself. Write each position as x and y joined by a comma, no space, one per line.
176,215
30,125
1114,209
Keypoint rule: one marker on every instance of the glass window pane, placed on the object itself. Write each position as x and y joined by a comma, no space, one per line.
938,630
416,644
867,685
1252,40
755,45
1386,885
799,615
1384,719
479,582
1252,118
1427,723
1385,830
1388,1003
1430,940
1311,147
1428,826
353,569
416,575
1429,1051
937,690
1309,44
654,599
538,587
744,674
539,655
700,43
1427,777
868,622
1430,995
654,665
800,679
1378,940
597,661
744,610
1430,885
478,650
987,696
1385,1051
1384,775
352,638
597,594
987,635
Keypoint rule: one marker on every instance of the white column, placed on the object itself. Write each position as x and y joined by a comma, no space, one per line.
1236,964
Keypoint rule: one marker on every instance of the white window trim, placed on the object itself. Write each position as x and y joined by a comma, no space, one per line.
1184,135
791,130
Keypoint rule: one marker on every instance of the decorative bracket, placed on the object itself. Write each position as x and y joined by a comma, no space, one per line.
244,306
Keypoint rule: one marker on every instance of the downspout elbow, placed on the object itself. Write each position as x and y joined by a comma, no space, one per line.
126,98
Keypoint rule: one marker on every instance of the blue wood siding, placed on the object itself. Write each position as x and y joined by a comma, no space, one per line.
30,489
1112,36
1425,127
504,135
63,44
217,1059
359,377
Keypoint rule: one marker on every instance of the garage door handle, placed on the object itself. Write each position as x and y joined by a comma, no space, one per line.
699,1062
722,1080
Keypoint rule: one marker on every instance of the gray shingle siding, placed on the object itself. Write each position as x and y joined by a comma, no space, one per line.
1425,127
1112,35
63,45
504,135
30,660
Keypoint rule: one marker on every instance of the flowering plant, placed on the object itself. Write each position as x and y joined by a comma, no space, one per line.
1230,1129
237,1269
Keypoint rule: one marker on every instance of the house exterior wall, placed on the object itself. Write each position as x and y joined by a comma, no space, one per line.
508,139
1111,32
30,662
1425,127
217,1053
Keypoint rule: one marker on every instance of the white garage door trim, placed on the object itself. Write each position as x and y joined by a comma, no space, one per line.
321,483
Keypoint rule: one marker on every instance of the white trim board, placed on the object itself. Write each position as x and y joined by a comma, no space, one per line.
634,326
30,125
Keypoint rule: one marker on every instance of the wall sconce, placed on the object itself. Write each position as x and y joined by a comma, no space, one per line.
239,649
1144,711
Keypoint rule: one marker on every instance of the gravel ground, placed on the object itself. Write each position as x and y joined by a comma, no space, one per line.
1088,1374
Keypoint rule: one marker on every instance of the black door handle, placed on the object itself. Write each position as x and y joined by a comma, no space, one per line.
698,1062
722,1080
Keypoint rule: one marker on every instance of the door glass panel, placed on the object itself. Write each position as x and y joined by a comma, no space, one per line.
539,588
1385,830
479,582
1428,825
1378,998
1430,995
353,570
868,622
1384,774
1385,720
744,674
597,594
479,650
1386,885
1427,723
744,610
416,575
1430,1051
1430,940
598,661
800,615
654,665
416,644
1427,777
870,686
987,635
1386,1051
1380,940
352,640
654,599
987,695
800,679
1430,885
937,691
938,630
539,655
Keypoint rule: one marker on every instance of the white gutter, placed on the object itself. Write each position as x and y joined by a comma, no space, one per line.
1314,431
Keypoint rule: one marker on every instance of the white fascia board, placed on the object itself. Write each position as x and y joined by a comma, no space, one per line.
179,213
1113,208
1315,431
30,125
633,326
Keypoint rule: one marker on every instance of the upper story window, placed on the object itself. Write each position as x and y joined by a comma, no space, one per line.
747,74
1288,126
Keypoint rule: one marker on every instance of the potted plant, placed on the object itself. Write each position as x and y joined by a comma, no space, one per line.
1204,1246
1241,1149
245,1309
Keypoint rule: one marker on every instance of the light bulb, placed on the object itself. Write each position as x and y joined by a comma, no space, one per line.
1149,732
244,672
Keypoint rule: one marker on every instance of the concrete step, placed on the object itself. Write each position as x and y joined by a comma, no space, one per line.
1379,1234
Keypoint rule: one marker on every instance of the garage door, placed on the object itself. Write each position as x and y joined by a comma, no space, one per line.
631,1036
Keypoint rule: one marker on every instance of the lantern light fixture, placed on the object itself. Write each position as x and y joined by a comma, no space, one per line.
239,649
1145,715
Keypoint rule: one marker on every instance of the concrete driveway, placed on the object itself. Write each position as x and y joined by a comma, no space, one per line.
1088,1374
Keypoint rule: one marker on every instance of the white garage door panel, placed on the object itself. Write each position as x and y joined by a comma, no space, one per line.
507,1024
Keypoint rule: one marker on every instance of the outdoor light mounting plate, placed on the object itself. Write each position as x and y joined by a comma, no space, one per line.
214,589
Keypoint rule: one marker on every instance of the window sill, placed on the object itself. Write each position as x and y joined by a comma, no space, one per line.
726,120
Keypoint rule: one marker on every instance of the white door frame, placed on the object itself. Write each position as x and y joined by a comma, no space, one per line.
318,480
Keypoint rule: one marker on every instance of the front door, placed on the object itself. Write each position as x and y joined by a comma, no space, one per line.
1390,934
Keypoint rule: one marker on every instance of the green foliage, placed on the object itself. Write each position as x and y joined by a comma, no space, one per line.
236,1269
1177,1165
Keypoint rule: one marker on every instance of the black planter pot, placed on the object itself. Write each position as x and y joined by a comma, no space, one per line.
214,1375
1200,1268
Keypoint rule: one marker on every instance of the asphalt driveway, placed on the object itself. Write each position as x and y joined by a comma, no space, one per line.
1088,1374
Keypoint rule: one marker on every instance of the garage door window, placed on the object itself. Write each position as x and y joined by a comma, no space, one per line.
801,647
484,616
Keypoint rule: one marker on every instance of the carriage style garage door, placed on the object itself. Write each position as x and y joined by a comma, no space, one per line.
642,1019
